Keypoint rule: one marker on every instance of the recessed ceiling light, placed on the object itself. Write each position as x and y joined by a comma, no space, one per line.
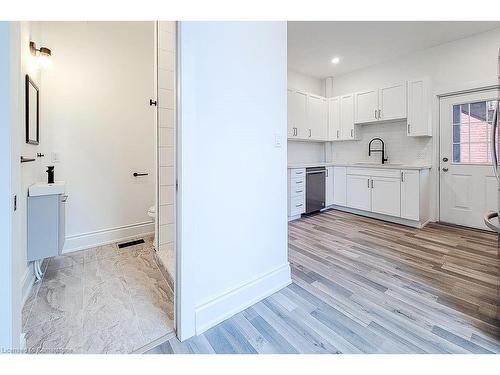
335,60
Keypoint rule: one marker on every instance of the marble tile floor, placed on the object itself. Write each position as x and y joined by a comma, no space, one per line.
100,300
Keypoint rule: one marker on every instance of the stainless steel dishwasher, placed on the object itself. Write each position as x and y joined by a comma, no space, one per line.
315,189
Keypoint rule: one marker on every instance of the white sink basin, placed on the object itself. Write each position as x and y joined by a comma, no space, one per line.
38,189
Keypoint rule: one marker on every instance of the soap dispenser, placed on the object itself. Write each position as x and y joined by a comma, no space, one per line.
50,175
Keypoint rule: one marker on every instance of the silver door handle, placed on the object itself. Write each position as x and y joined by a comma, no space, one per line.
489,224
494,157
64,198
445,169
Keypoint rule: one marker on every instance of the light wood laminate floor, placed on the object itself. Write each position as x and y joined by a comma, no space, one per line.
366,286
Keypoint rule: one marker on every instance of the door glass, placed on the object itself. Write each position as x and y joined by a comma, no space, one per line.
471,128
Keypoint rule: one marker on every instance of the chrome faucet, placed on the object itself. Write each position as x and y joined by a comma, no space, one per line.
382,150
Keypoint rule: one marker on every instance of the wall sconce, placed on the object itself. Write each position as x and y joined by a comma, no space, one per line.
43,54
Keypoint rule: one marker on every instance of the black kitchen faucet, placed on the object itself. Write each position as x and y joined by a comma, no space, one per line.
382,150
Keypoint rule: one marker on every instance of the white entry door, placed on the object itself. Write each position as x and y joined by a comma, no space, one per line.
467,182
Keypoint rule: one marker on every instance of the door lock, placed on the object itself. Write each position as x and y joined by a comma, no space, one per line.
445,159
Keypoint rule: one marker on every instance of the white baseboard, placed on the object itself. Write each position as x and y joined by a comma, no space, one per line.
27,282
223,307
106,236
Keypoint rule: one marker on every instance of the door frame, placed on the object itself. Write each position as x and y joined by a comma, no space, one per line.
441,93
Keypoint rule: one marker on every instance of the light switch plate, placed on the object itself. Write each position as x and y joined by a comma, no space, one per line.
277,140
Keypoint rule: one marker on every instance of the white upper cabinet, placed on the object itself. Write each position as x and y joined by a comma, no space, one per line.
419,114
317,118
297,114
366,106
392,102
334,129
347,130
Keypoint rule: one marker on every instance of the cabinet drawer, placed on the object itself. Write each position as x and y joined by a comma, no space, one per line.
297,205
297,187
296,173
374,172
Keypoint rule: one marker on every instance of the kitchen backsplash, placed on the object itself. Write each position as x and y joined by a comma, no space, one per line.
399,147
305,152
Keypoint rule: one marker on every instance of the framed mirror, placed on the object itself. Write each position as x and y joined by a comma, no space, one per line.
32,112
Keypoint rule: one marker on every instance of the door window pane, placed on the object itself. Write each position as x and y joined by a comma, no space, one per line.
471,132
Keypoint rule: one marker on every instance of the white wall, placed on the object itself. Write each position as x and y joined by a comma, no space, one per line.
233,227
300,152
302,82
96,116
464,63
6,269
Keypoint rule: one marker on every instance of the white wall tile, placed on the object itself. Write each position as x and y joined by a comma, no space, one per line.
167,214
166,234
165,98
166,137
167,176
166,79
166,156
167,194
166,118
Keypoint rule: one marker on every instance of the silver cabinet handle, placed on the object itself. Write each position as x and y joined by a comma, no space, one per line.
402,177
372,184
375,114
310,133
409,131
298,205
299,191
379,114
368,183
489,224
352,133
337,134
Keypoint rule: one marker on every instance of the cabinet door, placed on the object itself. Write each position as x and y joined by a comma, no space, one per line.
386,195
366,106
334,119
297,112
339,186
347,116
419,123
358,192
290,113
410,195
317,118
392,102
329,186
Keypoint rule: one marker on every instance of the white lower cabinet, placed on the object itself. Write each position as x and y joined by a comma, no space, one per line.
386,195
329,186
296,192
339,186
358,192
410,195
390,192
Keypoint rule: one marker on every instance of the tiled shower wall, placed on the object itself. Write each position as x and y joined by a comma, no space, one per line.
166,147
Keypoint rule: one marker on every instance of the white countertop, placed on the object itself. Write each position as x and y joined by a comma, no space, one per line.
58,187
360,165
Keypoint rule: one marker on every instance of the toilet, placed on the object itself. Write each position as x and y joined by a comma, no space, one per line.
152,214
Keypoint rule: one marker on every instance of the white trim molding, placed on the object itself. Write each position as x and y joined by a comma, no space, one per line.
105,236
238,299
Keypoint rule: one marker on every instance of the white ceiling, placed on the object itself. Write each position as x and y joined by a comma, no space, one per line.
312,45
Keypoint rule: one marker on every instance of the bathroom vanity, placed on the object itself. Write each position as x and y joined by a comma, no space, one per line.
46,220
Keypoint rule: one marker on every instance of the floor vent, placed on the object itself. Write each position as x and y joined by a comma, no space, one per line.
130,243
